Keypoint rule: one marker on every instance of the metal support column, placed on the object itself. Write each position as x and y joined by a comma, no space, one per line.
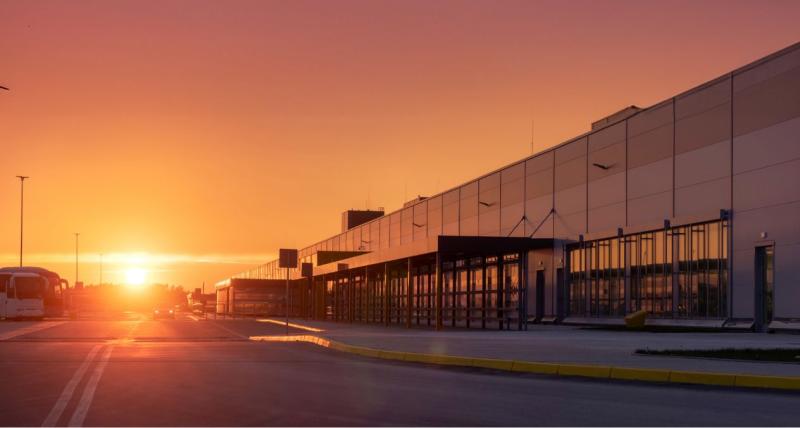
409,296
438,298
523,291
501,293
386,297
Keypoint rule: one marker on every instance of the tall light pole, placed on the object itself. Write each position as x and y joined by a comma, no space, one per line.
21,206
76,256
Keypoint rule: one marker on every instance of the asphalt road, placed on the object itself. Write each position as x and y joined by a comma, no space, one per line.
206,373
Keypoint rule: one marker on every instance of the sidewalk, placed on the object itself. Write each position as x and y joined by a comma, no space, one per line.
568,345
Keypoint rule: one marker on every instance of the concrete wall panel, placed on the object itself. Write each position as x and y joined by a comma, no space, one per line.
539,184
420,224
571,200
607,218
606,191
570,173
435,216
450,202
607,136
510,216
569,226
652,178
570,151
489,221
703,198
767,102
612,157
767,70
537,212
701,165
787,281
767,146
539,163
767,186
650,209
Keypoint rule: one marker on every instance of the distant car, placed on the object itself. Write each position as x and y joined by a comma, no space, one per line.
163,313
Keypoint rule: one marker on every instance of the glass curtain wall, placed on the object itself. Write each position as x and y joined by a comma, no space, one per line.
424,293
492,290
513,294
678,272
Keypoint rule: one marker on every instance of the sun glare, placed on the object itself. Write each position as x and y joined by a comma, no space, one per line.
135,276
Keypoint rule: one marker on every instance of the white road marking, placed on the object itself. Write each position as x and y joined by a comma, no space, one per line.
29,329
66,394
88,392
193,318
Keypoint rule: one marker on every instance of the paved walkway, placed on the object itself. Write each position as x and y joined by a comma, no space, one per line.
569,344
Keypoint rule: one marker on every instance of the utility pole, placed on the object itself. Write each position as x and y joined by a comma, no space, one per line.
76,257
101,268
21,210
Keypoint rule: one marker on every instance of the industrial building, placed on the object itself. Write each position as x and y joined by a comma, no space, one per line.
688,209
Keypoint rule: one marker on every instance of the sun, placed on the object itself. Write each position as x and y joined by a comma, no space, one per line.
135,276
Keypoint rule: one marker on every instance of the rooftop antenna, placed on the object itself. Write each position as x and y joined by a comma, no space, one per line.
533,144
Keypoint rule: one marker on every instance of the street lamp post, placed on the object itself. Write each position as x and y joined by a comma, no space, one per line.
76,256
21,207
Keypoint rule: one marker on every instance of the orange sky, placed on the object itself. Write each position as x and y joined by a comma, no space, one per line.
203,136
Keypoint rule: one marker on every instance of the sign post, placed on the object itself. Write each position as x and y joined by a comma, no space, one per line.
287,259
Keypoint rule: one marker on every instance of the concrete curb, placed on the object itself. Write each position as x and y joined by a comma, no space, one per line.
558,369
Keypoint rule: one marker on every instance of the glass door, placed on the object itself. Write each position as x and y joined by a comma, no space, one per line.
764,287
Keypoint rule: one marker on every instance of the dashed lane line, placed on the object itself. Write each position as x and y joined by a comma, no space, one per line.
69,390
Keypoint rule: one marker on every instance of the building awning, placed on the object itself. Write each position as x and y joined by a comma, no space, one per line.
468,245
325,257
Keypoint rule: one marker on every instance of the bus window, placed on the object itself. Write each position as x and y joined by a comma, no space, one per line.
28,287
3,282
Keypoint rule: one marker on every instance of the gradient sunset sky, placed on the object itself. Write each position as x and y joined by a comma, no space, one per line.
194,138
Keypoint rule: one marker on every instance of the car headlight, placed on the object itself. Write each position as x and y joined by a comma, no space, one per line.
156,310
170,311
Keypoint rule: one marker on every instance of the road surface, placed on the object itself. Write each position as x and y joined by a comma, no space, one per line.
206,373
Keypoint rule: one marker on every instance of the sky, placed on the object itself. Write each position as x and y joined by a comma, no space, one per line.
192,139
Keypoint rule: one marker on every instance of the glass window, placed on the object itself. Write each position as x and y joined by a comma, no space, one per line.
29,287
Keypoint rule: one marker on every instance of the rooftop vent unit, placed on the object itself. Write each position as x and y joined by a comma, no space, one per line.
414,201
353,218
616,117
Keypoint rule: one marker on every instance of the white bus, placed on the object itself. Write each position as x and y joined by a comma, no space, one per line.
22,295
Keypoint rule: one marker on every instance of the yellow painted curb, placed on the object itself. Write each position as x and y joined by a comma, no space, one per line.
391,355
366,352
530,367
593,371
490,363
584,371
419,358
451,360
647,375
698,378
753,381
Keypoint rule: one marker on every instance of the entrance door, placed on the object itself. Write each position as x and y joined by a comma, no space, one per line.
764,287
539,295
